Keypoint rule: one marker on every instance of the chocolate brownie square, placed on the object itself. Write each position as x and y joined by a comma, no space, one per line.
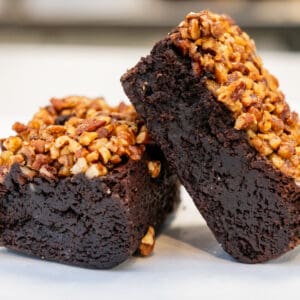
226,129
83,184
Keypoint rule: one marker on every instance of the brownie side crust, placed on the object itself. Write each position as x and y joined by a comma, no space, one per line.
95,223
251,207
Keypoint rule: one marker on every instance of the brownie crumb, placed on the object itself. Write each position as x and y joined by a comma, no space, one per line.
84,184
251,206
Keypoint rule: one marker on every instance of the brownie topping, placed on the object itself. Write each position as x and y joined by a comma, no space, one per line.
147,243
238,79
77,135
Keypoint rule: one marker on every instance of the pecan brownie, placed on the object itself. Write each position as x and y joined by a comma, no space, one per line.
82,183
227,130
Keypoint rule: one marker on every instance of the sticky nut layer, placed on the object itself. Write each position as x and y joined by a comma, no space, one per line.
77,135
226,56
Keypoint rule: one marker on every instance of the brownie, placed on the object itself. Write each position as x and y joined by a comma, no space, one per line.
249,203
84,217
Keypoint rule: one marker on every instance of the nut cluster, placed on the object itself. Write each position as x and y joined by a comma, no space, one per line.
77,135
226,56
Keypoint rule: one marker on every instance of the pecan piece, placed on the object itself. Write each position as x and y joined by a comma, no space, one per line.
89,125
148,242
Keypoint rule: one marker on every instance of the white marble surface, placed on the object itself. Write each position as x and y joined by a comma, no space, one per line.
187,263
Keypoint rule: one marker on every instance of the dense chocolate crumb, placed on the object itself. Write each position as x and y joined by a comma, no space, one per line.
82,183
251,207
95,223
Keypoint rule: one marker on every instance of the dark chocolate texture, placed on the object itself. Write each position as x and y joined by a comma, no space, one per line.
251,207
95,223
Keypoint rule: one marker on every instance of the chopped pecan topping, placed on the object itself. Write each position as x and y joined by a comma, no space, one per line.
38,145
14,143
89,125
91,137
154,168
245,121
56,129
19,127
148,242
239,80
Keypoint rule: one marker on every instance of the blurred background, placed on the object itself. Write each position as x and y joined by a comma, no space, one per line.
274,24
55,48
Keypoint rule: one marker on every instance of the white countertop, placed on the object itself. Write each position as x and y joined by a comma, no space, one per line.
187,263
